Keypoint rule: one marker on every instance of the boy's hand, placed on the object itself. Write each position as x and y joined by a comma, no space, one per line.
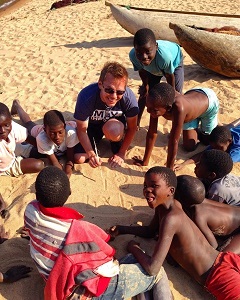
15,273
113,232
131,245
178,167
138,161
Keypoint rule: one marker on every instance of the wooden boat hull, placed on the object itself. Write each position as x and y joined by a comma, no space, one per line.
218,52
132,20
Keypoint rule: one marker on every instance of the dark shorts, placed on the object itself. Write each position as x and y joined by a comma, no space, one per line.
95,133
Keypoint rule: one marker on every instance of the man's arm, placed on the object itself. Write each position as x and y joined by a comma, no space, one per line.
85,142
178,116
150,141
234,124
117,159
54,161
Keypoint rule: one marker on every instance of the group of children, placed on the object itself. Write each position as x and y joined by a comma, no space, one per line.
73,256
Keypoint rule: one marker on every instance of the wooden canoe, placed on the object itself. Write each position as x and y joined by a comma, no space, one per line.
219,52
158,21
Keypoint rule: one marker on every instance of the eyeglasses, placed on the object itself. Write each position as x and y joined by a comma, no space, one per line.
112,91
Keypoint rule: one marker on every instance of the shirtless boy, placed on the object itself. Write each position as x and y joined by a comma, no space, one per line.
185,112
179,236
211,217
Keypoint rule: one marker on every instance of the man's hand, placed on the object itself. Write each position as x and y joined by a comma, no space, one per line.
95,161
137,160
113,232
15,273
116,160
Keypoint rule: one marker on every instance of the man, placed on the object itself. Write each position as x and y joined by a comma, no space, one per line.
108,108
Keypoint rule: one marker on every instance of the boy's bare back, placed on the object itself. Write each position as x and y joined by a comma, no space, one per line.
222,219
187,245
190,106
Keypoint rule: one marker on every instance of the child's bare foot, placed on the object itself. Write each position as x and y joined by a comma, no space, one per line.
13,110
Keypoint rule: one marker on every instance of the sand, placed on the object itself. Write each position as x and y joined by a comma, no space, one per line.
46,58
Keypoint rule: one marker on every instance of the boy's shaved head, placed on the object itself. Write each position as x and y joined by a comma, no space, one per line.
162,94
4,110
52,187
220,135
166,173
53,118
190,190
217,161
143,36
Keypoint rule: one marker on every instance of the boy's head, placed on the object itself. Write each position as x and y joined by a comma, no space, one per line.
5,122
145,45
52,187
160,99
190,190
112,83
213,164
159,186
54,126
220,138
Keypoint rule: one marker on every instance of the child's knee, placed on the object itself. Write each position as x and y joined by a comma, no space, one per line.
190,145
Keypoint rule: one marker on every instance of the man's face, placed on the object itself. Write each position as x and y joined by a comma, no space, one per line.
155,190
5,127
153,109
112,89
56,133
146,53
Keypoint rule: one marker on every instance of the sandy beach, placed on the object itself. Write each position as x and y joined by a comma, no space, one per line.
46,58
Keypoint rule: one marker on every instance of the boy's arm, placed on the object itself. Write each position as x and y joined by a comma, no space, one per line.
178,116
170,79
142,231
54,161
144,77
192,160
234,124
150,141
70,161
85,142
31,140
152,264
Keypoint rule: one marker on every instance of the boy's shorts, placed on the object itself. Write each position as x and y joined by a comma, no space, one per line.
15,169
224,279
209,119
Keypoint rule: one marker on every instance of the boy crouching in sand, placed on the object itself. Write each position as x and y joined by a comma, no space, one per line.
12,133
219,272
73,255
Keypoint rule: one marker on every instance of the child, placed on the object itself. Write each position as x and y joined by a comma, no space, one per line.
153,60
225,138
54,138
214,170
219,272
73,255
12,133
211,217
185,112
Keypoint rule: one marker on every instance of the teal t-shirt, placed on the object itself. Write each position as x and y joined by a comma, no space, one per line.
168,57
